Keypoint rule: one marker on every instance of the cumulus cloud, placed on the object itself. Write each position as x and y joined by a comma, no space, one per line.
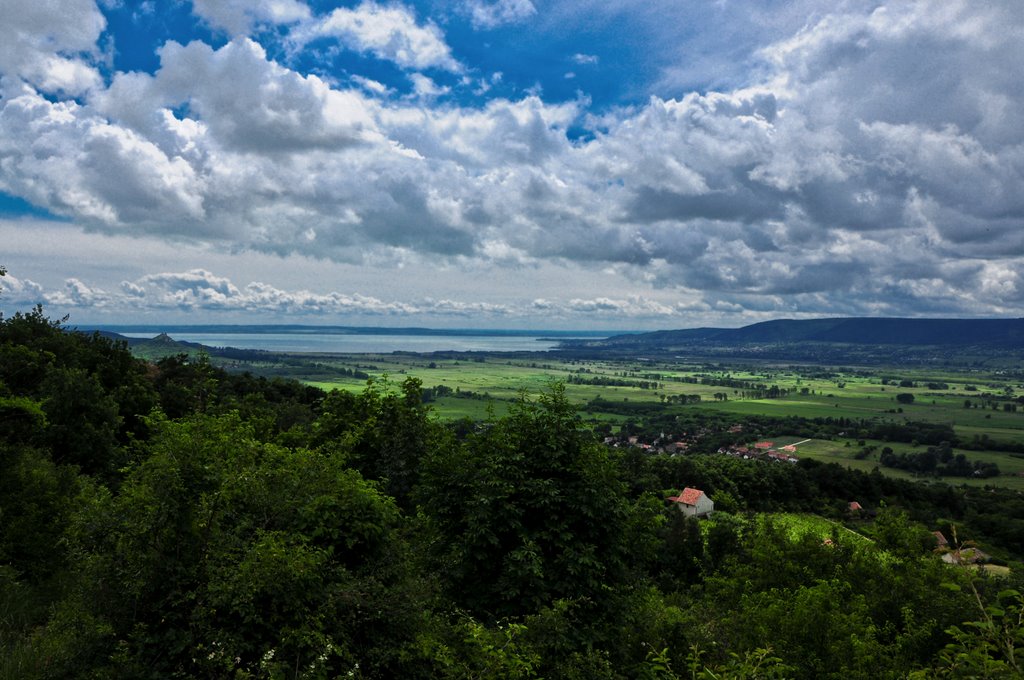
59,156
425,88
239,17
493,13
388,32
875,165
635,306
78,294
199,290
20,291
49,43
245,100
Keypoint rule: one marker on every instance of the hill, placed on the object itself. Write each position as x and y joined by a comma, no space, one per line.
836,339
154,348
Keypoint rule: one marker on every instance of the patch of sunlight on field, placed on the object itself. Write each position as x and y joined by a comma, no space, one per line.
798,525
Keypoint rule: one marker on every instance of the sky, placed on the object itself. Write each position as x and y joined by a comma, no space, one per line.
611,164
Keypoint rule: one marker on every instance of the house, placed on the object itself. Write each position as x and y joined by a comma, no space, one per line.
966,556
784,457
694,503
854,507
940,540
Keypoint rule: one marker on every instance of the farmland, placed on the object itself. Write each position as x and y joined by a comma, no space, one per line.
984,407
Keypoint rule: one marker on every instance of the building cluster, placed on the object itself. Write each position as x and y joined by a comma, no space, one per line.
671,444
761,451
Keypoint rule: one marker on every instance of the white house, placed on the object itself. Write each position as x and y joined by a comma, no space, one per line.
694,503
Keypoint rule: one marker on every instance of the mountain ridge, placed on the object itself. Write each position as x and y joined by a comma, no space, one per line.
844,330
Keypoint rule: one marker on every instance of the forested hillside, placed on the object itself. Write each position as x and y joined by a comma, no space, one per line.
863,341
871,331
170,519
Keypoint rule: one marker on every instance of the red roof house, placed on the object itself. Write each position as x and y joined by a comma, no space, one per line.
693,503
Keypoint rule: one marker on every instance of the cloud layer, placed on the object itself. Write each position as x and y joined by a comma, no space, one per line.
874,164
199,290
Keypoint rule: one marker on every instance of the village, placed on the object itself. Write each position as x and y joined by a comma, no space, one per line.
677,445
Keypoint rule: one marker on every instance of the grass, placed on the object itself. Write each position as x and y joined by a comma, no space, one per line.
814,392
798,525
842,451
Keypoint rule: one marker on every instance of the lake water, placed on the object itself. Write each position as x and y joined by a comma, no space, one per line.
363,343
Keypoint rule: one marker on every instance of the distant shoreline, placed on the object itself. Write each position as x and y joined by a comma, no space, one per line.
297,329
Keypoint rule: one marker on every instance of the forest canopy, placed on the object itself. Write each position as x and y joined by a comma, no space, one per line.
171,519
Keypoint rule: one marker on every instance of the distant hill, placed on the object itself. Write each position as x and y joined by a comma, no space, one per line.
153,348
1004,334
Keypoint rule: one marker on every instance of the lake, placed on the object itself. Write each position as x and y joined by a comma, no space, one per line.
366,342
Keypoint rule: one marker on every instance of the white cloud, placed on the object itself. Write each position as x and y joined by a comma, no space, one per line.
78,294
425,88
634,306
250,102
49,43
370,85
200,290
879,149
239,17
77,164
585,59
493,13
388,32
20,291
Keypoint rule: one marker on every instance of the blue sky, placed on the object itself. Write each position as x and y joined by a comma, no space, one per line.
509,163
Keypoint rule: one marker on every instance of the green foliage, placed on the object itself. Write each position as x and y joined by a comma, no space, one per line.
222,555
20,418
385,434
36,500
681,551
758,664
260,529
82,420
473,650
527,511
991,646
894,532
91,391
187,385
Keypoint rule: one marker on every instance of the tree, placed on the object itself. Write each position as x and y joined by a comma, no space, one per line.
527,511
896,533
83,421
222,556
905,398
386,434
36,500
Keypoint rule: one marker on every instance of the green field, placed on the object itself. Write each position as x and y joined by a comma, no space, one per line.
842,451
488,384
846,395
798,525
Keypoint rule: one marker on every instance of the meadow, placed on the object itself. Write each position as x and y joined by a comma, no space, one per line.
978,404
